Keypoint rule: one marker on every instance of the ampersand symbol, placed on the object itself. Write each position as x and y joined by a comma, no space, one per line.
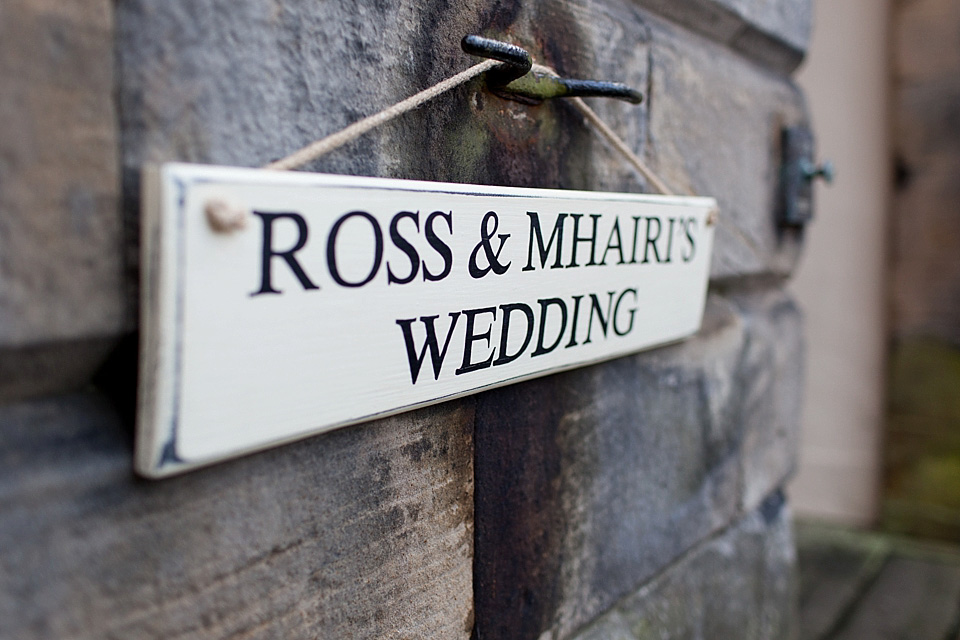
486,234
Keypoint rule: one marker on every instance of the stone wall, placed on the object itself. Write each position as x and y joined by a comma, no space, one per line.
646,489
695,598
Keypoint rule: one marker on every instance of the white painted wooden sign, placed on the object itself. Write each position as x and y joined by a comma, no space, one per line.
343,298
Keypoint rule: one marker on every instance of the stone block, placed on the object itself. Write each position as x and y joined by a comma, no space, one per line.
712,126
773,33
589,482
609,626
363,533
776,32
60,225
715,129
739,584
771,392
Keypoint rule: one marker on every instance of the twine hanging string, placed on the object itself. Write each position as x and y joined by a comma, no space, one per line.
325,145
335,140
621,146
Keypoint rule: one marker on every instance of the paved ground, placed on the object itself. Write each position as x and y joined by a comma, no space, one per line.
861,586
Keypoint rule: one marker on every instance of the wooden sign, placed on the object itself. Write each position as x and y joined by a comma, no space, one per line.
279,305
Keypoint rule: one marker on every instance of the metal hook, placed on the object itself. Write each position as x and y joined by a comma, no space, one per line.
517,59
514,79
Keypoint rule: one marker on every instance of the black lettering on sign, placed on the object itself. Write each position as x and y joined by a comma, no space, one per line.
691,223
577,239
616,313
268,253
672,222
472,337
545,304
429,344
487,230
508,309
619,313
404,245
535,231
618,245
332,248
604,322
636,228
439,246
573,323
652,241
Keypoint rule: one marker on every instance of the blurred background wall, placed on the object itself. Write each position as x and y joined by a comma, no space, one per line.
922,435
840,284
880,280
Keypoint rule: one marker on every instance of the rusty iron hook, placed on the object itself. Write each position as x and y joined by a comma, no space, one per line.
515,80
